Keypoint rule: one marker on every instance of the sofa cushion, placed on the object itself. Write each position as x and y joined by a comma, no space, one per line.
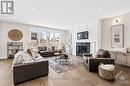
47,53
42,48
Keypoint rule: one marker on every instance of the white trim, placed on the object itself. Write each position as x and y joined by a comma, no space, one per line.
3,58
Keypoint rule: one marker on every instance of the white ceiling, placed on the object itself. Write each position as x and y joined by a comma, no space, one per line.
63,14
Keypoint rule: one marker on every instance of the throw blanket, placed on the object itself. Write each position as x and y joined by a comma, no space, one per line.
24,57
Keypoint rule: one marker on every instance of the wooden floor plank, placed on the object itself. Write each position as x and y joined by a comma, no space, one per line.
79,76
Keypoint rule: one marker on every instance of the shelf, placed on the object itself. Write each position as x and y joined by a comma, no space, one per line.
13,48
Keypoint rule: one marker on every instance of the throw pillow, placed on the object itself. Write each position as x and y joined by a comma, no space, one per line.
96,55
104,54
27,56
42,48
34,54
53,48
17,59
29,51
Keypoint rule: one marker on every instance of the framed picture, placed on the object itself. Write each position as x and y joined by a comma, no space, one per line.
117,34
34,36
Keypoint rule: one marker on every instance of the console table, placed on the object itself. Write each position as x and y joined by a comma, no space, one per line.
121,57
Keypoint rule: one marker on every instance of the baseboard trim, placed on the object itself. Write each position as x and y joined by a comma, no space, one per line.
3,58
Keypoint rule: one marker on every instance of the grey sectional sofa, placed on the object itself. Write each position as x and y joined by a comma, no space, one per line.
25,68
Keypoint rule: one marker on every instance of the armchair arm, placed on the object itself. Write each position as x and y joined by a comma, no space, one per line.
90,55
94,62
29,71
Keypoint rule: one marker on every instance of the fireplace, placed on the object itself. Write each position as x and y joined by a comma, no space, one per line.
82,47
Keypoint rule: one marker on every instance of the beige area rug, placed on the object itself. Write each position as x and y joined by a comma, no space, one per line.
60,68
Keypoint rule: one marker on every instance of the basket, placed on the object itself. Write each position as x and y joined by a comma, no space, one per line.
106,74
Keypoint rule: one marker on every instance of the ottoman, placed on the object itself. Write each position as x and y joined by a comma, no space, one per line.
106,71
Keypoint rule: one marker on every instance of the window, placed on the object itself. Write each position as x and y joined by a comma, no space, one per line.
54,37
43,37
54,40
57,36
34,36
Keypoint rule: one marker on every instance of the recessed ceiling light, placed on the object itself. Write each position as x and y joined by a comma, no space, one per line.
33,8
99,8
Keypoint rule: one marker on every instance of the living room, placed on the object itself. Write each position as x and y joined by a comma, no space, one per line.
72,43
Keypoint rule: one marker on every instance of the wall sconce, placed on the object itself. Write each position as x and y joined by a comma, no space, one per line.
116,21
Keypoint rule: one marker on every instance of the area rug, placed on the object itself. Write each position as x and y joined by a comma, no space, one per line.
60,68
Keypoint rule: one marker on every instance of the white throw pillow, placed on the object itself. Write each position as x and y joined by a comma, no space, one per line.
34,54
16,59
95,55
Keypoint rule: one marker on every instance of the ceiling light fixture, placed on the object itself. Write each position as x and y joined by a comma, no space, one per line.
99,8
33,8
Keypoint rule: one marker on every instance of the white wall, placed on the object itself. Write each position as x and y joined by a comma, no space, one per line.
92,28
5,27
0,41
106,30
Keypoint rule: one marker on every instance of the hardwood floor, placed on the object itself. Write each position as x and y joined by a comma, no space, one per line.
79,76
